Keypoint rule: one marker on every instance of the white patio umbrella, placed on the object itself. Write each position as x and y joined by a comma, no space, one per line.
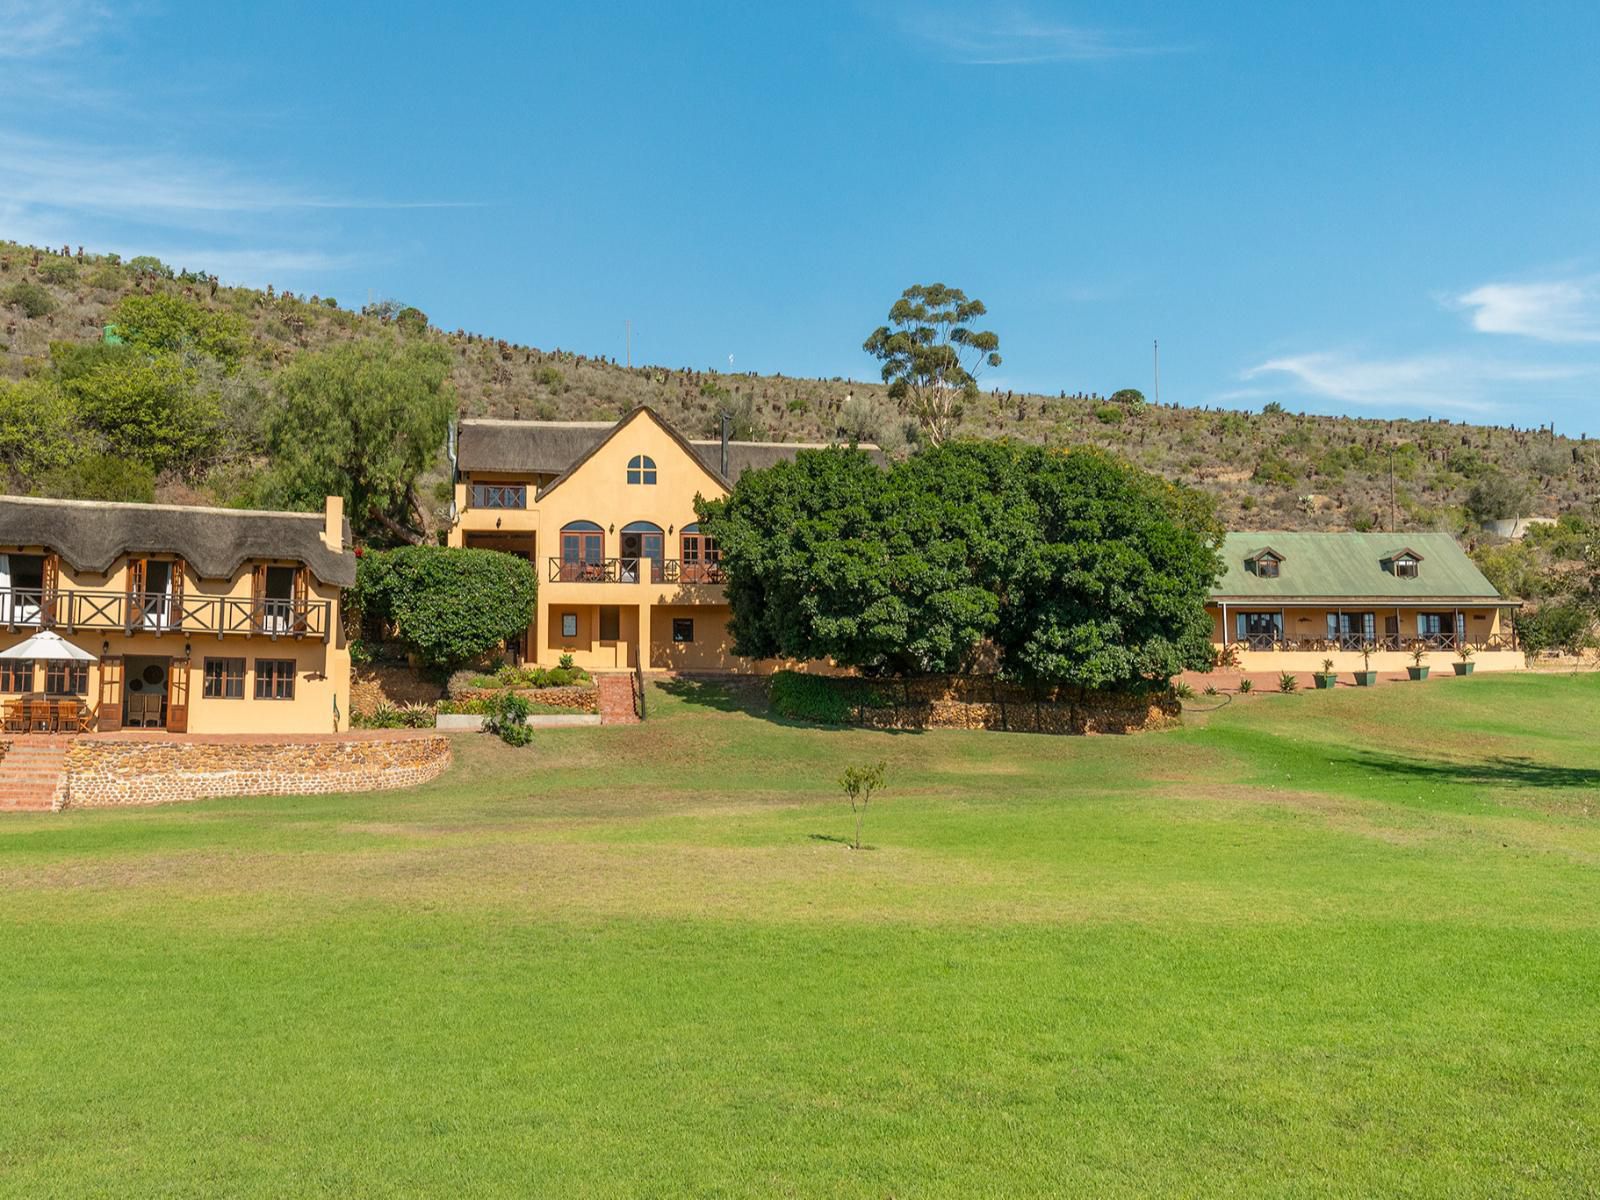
47,644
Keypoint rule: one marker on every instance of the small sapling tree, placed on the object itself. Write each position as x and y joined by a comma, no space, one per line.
859,783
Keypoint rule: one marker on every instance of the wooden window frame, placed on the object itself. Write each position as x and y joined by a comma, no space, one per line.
677,624
11,673
572,617
66,677
227,674
272,680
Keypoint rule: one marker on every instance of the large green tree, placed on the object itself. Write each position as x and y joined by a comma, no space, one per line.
449,604
165,323
362,420
150,409
1079,568
931,355
1111,583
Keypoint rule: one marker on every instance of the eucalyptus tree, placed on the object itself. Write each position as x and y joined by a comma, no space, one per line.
931,355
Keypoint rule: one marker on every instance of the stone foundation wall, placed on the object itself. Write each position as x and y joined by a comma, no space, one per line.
371,686
115,769
582,696
982,702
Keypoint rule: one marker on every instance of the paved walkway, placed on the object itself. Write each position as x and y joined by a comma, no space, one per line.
1267,681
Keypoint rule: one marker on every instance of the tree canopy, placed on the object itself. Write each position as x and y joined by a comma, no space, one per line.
931,355
1076,567
448,604
362,420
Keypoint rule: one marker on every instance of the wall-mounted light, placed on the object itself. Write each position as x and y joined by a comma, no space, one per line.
613,528
669,529
186,649
105,647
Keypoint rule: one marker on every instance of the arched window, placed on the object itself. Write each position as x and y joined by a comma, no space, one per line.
641,469
582,551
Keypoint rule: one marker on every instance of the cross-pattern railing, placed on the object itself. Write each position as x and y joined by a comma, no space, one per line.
633,570
158,612
499,495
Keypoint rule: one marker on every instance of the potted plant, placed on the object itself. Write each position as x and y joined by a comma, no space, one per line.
1366,677
1326,677
1418,668
1463,663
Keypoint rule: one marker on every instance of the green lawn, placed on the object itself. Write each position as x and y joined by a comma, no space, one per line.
1331,944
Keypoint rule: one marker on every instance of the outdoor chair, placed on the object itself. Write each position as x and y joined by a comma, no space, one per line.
38,714
69,716
16,720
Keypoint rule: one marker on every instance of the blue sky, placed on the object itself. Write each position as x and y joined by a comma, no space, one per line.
1375,209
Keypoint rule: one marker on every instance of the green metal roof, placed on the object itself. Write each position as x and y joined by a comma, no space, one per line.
1350,565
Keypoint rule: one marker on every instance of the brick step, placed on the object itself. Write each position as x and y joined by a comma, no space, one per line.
30,771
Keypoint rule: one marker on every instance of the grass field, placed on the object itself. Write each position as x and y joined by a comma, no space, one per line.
1332,944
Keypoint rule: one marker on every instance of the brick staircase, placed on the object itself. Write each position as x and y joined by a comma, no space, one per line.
31,766
616,699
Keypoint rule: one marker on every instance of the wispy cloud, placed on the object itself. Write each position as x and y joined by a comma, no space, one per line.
1441,383
35,28
1549,310
1015,36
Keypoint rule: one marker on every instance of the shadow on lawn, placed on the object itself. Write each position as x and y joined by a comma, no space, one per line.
747,695
1504,771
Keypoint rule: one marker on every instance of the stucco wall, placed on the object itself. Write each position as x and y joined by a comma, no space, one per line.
1312,621
118,769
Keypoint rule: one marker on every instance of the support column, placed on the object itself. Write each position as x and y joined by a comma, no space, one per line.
642,643
537,653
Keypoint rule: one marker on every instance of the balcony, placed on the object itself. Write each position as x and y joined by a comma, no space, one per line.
157,612
628,570
1431,643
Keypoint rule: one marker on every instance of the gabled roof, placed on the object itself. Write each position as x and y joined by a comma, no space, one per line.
1403,552
553,447
1338,566
644,411
1264,552
92,534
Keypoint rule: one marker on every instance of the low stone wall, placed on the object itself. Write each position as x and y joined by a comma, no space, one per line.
584,696
983,702
104,770
372,686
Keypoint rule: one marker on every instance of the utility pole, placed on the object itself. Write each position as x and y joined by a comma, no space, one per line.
629,324
1156,350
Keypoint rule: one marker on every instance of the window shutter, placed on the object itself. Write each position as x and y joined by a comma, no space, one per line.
52,583
301,599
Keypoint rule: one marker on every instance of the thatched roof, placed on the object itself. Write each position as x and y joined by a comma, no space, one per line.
535,447
555,447
90,535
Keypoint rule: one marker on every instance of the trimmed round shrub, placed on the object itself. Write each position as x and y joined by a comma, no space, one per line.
449,605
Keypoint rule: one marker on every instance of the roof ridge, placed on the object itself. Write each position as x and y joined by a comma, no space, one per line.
134,505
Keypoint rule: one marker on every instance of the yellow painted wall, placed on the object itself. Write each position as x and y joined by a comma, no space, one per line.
322,669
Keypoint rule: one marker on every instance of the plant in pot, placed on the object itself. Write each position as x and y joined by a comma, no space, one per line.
1463,663
1326,677
1418,668
1366,677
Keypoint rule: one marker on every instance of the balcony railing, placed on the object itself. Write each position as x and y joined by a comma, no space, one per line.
632,570
1433,642
499,495
157,612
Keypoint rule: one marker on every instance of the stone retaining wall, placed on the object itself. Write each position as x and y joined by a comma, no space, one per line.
115,769
984,702
585,696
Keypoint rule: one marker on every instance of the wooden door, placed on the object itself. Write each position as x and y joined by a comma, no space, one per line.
258,596
302,605
109,714
135,616
51,585
175,611
178,696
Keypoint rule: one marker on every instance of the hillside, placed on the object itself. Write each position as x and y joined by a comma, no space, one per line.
1280,470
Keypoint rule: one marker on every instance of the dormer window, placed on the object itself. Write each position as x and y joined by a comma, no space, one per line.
1265,562
1403,563
642,469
